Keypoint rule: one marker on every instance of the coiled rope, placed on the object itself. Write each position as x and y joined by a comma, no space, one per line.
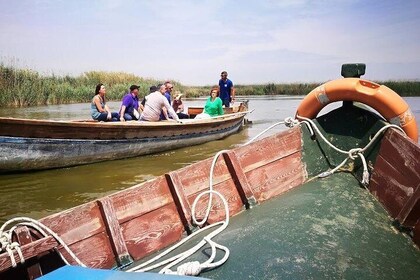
195,267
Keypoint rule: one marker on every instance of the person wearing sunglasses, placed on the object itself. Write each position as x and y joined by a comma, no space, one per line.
227,91
168,87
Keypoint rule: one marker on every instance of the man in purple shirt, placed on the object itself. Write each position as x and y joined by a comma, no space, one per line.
130,105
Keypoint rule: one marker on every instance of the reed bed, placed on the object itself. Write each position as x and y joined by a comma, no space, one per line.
24,87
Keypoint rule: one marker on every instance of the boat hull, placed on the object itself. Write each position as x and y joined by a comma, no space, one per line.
24,153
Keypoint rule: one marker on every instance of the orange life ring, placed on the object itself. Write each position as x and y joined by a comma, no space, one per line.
383,99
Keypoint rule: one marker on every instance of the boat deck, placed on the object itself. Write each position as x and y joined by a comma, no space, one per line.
325,229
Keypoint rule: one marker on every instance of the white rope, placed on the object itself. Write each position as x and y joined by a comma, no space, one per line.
9,249
8,246
352,153
11,255
42,229
194,268
289,122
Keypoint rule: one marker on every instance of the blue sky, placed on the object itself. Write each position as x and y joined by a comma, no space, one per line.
193,41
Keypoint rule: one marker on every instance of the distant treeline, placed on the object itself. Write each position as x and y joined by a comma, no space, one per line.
23,87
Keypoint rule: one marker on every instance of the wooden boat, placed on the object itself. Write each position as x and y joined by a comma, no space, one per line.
291,218
28,144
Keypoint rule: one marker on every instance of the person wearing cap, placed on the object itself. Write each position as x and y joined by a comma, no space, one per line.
155,101
226,89
99,110
179,107
130,105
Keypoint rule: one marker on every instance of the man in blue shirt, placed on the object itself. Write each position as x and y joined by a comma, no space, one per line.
168,87
227,91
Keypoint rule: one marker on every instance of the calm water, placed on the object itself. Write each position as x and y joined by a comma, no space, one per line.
38,194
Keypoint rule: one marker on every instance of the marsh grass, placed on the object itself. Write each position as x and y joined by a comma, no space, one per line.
24,87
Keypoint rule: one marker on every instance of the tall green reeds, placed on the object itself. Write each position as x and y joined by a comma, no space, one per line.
403,88
23,87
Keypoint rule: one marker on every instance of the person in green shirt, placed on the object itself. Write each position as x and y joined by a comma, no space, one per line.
213,105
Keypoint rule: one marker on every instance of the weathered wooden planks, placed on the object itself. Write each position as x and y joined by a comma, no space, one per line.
114,231
138,221
148,217
273,165
28,250
395,179
152,231
195,178
23,236
141,199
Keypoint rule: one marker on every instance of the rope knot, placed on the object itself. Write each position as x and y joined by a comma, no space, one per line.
186,269
354,153
189,268
4,241
14,246
290,122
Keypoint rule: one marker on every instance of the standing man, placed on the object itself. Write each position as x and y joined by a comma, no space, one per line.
130,105
227,91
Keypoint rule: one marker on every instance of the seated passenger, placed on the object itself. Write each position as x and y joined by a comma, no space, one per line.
130,105
99,110
179,107
143,102
213,105
155,101
168,90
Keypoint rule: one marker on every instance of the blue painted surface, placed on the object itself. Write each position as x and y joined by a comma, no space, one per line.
82,273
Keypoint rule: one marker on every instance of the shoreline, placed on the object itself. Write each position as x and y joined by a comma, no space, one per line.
28,88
